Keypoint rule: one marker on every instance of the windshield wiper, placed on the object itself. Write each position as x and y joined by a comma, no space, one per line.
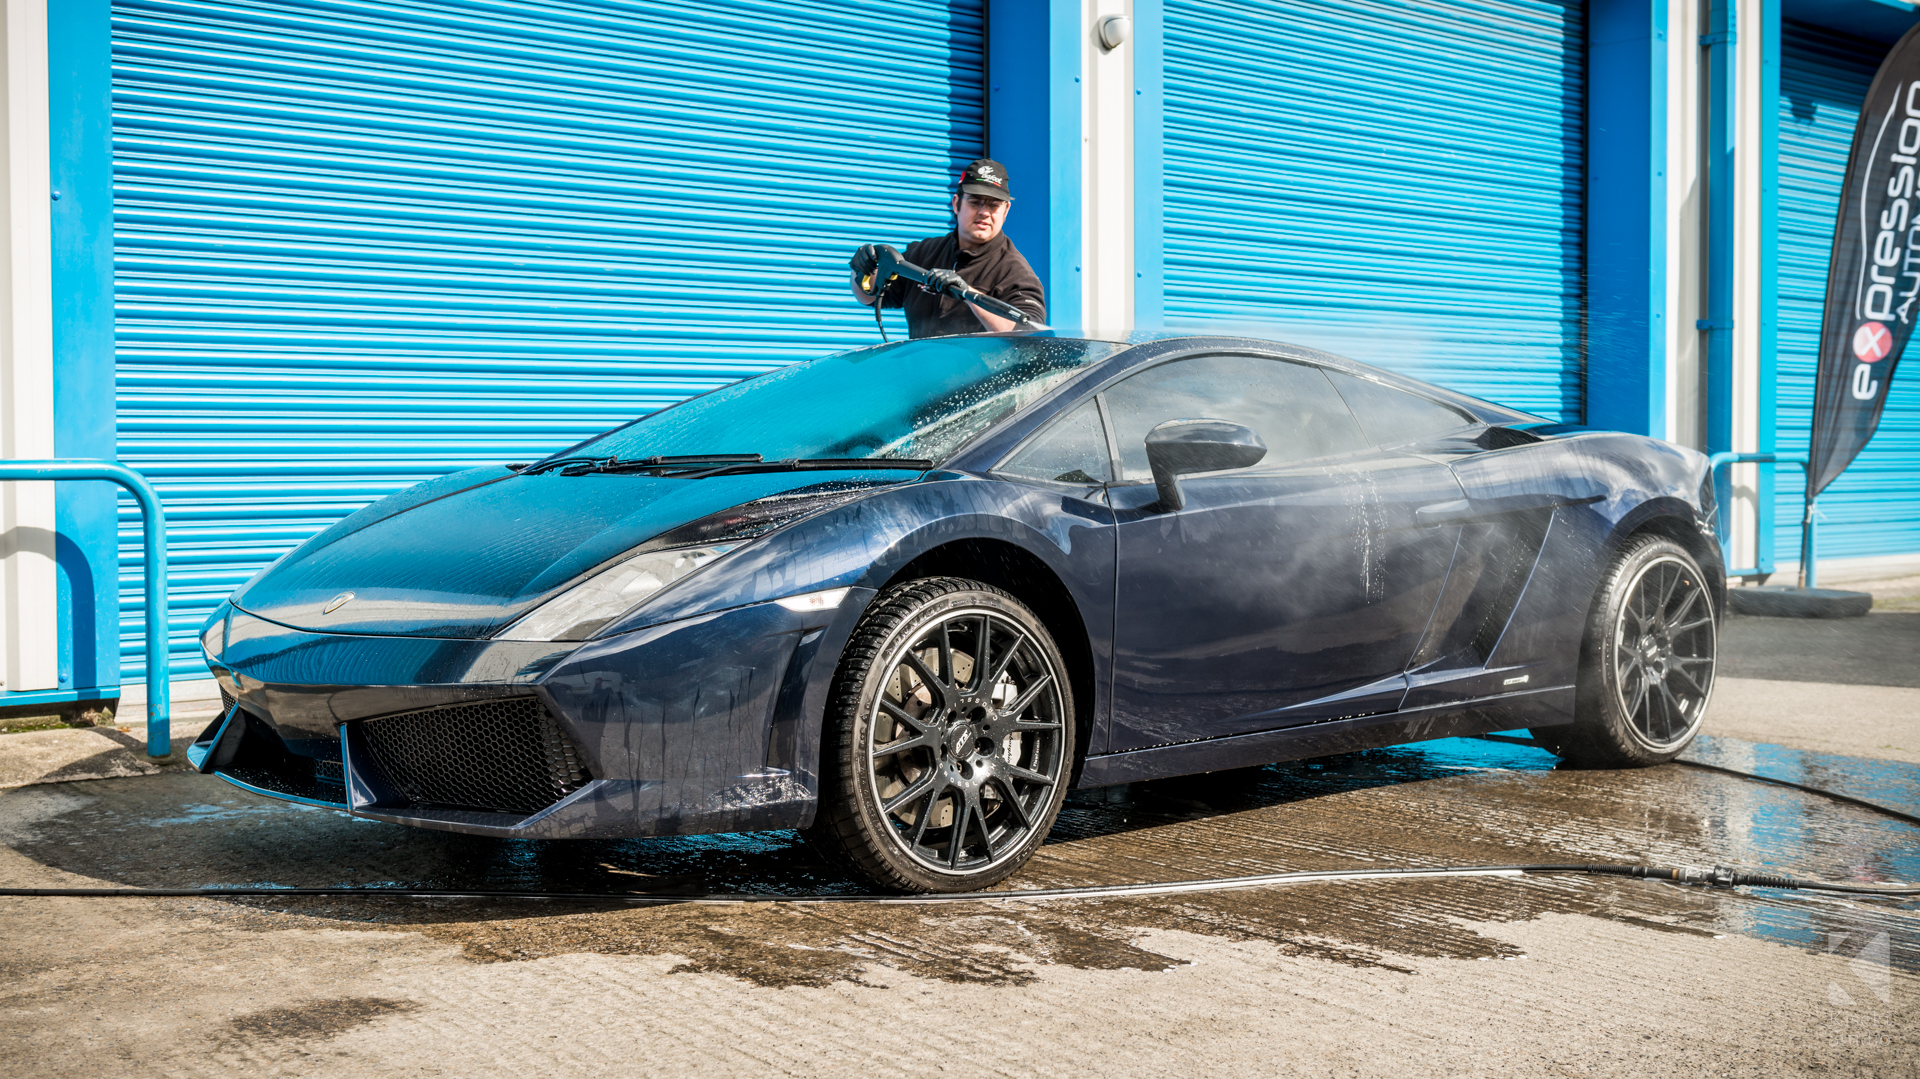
696,465
538,467
580,466
661,465
814,464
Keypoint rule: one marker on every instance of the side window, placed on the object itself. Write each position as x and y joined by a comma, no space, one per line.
1291,406
1389,415
1073,450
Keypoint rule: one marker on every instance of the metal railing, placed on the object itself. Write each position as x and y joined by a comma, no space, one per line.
154,521
1807,538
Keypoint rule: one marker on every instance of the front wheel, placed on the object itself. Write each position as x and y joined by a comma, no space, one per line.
949,739
1646,664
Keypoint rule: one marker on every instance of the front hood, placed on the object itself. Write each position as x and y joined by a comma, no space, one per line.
466,555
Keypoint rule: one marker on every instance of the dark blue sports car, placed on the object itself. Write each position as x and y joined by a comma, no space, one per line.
904,597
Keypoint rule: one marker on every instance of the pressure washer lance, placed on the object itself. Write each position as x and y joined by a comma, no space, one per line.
892,265
1717,877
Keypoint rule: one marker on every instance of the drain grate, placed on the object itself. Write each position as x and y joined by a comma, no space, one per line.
507,756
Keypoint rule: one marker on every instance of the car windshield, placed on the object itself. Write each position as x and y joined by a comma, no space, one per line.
909,400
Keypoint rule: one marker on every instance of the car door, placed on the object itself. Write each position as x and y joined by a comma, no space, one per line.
1289,592
1513,486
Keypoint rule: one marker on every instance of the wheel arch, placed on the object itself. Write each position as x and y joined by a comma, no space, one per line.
1675,520
1599,738
1024,575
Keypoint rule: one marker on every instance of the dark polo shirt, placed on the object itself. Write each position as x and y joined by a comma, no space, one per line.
997,269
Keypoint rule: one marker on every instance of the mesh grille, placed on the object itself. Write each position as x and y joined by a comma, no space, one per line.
226,701
506,756
291,779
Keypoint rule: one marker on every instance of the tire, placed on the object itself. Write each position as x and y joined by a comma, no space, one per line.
940,773
1646,663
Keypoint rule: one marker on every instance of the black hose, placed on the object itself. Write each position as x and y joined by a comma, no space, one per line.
1719,876
1723,770
1835,795
1724,877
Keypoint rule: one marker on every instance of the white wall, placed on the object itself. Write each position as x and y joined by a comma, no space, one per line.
1686,202
29,647
1106,169
1743,508
1687,389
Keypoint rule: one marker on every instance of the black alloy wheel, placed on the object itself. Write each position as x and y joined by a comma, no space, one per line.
1647,663
950,739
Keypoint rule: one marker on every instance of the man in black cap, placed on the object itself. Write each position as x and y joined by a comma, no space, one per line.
976,253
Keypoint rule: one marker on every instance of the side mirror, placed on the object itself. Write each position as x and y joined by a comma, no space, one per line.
1177,447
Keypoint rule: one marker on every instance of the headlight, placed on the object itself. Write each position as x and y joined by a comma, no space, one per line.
213,639
580,611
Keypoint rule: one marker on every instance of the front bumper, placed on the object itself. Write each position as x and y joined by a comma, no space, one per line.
709,724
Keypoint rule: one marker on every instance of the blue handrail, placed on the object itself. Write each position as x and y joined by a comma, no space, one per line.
154,519
1807,547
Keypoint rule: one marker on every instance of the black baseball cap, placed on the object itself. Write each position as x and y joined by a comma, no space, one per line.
985,177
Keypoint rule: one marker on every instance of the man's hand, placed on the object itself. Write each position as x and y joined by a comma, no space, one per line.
944,282
865,260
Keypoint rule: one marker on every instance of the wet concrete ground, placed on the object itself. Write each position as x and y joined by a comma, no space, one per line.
1453,802
1507,976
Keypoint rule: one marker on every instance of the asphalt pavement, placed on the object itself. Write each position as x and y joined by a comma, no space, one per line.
1482,976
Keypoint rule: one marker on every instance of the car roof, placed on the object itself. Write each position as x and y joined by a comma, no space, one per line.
1148,345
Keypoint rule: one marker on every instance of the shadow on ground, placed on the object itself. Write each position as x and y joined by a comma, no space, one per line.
1448,802
1880,649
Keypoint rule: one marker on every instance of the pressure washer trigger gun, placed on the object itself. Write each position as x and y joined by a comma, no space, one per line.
884,271
892,264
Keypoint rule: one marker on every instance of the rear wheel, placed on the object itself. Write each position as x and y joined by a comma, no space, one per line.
1646,664
949,739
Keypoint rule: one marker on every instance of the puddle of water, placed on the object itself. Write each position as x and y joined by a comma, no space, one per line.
1894,784
1457,801
202,814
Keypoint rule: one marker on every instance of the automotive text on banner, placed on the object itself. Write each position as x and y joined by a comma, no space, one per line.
1873,280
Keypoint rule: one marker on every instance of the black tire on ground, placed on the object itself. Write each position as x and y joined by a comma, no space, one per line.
1646,662
948,742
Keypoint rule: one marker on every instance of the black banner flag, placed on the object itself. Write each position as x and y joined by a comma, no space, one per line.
1873,282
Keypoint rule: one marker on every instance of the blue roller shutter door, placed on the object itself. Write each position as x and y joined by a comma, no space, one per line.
1397,182
360,244
1874,507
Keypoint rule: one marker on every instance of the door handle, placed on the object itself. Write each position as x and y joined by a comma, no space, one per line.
1460,509
1439,513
